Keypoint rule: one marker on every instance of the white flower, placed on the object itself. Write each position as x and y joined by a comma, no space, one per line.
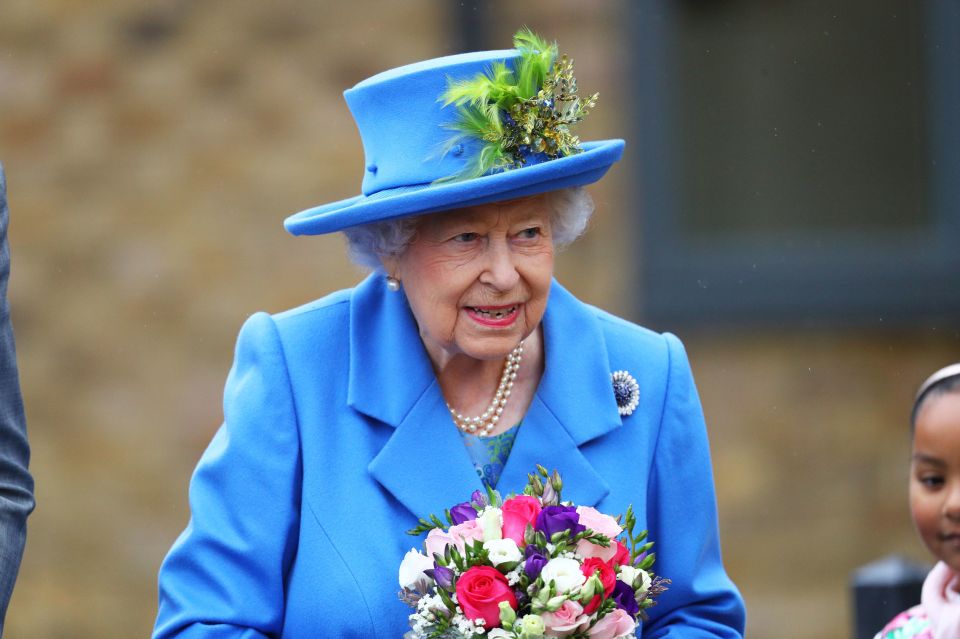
500,633
564,572
647,580
628,574
412,567
491,520
502,551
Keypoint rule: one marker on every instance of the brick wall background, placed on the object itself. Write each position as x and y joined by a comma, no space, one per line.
152,152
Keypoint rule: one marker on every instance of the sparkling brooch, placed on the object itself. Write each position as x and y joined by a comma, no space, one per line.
627,392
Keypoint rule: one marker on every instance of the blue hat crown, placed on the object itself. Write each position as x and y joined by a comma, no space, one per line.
405,126
422,146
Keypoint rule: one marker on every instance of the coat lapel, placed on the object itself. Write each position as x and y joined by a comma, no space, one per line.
424,463
574,403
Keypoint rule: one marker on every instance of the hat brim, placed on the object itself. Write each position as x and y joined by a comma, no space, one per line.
574,170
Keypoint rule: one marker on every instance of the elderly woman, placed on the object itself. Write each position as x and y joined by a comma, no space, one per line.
458,362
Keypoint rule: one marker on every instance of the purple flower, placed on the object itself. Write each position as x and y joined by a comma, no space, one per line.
478,499
625,599
535,561
463,512
442,575
639,559
553,519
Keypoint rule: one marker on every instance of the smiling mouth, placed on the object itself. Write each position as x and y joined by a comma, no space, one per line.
494,313
951,540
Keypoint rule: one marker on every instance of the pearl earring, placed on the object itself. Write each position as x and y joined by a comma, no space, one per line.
393,284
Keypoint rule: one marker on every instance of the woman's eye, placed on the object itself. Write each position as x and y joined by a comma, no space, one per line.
530,233
931,481
466,237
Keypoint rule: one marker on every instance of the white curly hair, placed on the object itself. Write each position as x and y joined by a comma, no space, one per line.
570,210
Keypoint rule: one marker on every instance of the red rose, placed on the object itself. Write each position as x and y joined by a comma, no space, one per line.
480,591
607,577
622,556
517,513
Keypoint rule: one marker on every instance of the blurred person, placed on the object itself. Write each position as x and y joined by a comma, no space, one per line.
16,484
935,508
458,363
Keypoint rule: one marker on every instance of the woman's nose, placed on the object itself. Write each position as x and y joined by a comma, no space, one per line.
500,269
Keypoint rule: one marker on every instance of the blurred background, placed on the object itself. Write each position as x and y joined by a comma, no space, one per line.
788,204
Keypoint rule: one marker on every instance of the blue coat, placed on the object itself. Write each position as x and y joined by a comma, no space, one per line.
336,439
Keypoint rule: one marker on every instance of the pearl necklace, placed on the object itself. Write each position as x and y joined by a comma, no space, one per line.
484,423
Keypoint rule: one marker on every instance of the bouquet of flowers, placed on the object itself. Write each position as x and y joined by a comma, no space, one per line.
528,567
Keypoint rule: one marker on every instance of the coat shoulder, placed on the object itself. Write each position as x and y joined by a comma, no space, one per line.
630,344
314,326
335,302
330,312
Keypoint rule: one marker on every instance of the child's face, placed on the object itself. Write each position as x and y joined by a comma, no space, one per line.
935,477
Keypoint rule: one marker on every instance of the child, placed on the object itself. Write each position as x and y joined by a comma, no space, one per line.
935,507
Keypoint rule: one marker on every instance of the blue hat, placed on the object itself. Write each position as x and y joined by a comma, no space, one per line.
406,131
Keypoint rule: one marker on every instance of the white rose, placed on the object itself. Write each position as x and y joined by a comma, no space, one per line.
412,567
500,633
502,551
491,520
564,572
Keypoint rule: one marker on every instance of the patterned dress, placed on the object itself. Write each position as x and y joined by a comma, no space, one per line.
489,454
909,624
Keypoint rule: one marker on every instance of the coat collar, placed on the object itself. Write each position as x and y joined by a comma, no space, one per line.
424,463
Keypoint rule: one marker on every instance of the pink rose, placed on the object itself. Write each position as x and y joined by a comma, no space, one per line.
598,523
614,624
566,620
517,513
621,557
467,533
607,577
480,591
438,540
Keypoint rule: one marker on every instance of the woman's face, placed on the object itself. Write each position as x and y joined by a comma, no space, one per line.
935,477
478,278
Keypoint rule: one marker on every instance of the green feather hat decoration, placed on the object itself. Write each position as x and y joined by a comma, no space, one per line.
520,115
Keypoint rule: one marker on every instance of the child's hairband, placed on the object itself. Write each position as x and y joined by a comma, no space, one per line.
953,370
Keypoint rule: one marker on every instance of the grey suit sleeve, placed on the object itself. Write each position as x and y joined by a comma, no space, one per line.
16,484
